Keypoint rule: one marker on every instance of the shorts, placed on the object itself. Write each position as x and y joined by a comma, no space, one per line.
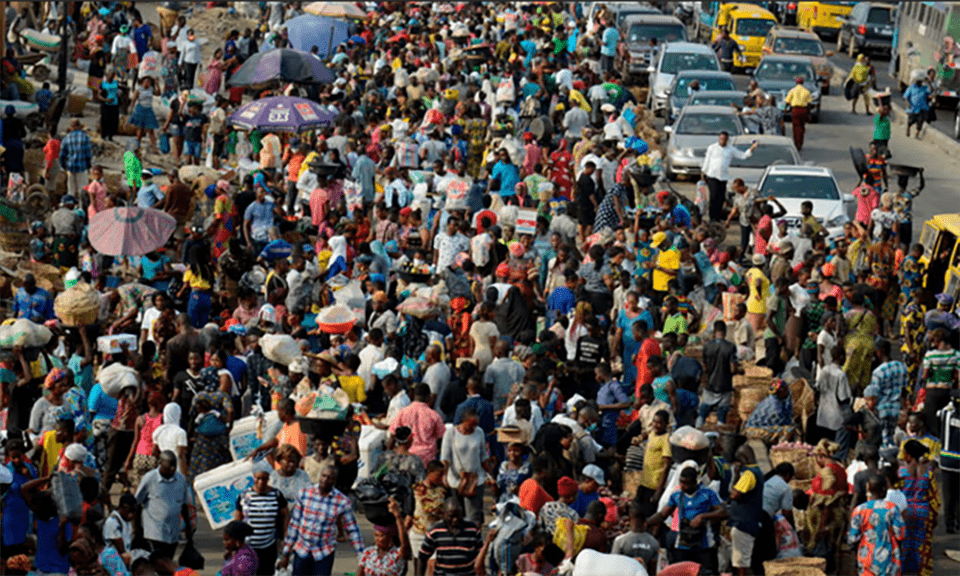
916,118
192,149
741,545
218,146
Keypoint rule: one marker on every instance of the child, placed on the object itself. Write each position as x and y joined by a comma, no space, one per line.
118,527
42,97
96,192
39,251
513,471
194,130
535,562
638,543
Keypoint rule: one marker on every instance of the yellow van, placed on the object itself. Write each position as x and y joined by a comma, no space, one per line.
748,25
941,254
823,18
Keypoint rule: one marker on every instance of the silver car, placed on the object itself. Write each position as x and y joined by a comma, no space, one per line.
695,129
772,150
672,58
793,185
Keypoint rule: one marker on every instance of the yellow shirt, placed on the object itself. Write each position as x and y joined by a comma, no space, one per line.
757,301
51,449
798,97
860,73
354,387
746,483
195,282
658,448
667,259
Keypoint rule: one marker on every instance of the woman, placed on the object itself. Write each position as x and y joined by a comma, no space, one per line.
13,135
386,558
763,228
827,286
772,419
560,171
612,209
555,268
211,81
483,335
919,485
759,286
16,513
170,436
241,559
861,329
577,328
882,259
289,478
224,215
868,198
623,340
110,106
98,63
11,73
209,444
827,511
513,316
84,560
107,556
142,458
265,509
174,123
199,280
460,323
142,115
597,279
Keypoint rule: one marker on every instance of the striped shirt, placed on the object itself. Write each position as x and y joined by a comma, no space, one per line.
312,530
261,511
942,366
456,552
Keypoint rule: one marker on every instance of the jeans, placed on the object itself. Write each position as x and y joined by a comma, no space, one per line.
711,400
198,308
745,232
307,566
267,559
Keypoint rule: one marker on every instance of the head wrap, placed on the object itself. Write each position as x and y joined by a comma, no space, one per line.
55,375
612,516
223,185
503,270
662,196
85,561
388,529
238,530
566,487
945,300
406,211
828,270
299,365
75,452
380,296
777,385
459,304
171,413
517,250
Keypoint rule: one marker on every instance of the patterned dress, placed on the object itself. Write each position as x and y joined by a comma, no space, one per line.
377,563
913,331
560,171
826,515
224,212
923,505
476,133
208,452
877,528
862,326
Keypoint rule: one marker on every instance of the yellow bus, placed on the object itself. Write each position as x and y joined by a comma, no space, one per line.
823,18
748,25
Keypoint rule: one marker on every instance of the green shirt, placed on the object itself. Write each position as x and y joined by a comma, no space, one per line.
777,307
676,323
881,127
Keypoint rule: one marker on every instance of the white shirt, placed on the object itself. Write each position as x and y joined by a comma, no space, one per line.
716,162
170,438
574,121
116,527
369,356
397,403
149,316
190,52
827,340
121,42
536,416
798,298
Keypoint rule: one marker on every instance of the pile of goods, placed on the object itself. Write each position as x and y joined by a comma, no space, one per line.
802,458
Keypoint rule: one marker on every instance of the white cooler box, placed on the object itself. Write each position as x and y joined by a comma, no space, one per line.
218,489
243,436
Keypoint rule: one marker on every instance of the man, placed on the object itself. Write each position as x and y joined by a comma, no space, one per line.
141,37
311,536
507,173
455,543
502,374
76,157
481,406
720,362
258,219
381,316
745,509
726,47
666,267
608,46
743,206
464,452
149,195
917,98
66,226
286,431
799,99
162,496
32,302
179,346
447,246
891,378
400,459
369,356
364,172
177,201
775,336
877,529
715,169
398,399
437,376
426,424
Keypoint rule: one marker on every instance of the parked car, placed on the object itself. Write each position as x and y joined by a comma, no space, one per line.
771,150
671,59
695,129
869,26
680,87
622,9
794,42
777,75
634,53
792,185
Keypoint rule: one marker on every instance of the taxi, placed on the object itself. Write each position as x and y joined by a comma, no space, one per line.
748,26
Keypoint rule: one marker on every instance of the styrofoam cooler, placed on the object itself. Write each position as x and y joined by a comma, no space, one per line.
370,445
110,344
218,489
243,436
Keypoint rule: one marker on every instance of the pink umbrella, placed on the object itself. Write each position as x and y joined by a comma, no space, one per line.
130,231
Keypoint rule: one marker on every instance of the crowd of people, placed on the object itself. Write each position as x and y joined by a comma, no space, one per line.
547,340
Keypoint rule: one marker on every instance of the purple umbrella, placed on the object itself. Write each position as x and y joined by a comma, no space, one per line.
281,114
281,64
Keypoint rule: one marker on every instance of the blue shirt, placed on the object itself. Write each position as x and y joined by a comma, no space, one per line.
111,88
102,406
149,195
609,42
690,506
917,98
680,216
83,375
75,152
508,175
583,500
48,557
141,37
43,96
610,393
36,307
260,217
484,413
237,368
151,267
364,173
562,300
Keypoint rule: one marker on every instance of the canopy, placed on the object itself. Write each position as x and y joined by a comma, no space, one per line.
305,32
281,114
347,10
281,64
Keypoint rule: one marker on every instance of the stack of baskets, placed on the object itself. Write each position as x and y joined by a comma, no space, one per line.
802,566
750,388
803,400
804,463
78,306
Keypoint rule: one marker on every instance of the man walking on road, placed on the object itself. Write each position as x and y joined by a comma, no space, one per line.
162,495
715,169
75,158
799,100
726,47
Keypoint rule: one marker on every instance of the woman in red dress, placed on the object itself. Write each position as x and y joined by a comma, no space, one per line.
561,173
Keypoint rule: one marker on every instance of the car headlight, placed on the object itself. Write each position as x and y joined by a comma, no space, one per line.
836,221
742,49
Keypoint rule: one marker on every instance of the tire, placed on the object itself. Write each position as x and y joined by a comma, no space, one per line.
956,125
852,47
840,42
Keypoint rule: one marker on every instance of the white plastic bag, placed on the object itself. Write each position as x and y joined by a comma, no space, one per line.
592,563
116,377
506,93
279,348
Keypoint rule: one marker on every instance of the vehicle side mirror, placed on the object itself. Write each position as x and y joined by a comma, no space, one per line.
668,129
830,53
848,198
650,69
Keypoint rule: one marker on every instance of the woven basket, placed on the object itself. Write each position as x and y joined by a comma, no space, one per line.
749,399
78,306
753,377
15,242
48,276
631,482
803,399
801,566
804,464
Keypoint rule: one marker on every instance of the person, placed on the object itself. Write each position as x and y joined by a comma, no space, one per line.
726,47
918,482
834,393
657,458
917,97
16,512
214,75
211,414
862,327
426,424
696,506
940,374
877,529
195,126
715,169
32,302
464,453
746,509
890,378
862,75
608,46
456,543
241,559
638,543
76,157
311,536
825,516
799,98
162,497
772,419
400,460
141,458
720,364
289,478
385,558
141,112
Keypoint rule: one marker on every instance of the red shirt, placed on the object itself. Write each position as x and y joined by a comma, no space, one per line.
427,427
51,152
650,347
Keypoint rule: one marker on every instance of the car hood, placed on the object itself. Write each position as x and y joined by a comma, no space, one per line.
824,211
663,82
776,85
692,141
751,176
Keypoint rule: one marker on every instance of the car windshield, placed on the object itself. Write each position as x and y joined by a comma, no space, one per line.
644,32
800,186
764,156
878,16
805,46
754,26
716,100
779,70
673,61
702,124
705,84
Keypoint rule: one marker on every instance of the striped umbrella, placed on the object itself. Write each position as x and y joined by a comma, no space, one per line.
130,230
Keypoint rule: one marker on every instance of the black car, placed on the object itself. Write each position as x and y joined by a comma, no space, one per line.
869,26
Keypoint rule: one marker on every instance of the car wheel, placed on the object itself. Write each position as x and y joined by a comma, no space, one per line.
825,88
840,42
956,125
852,47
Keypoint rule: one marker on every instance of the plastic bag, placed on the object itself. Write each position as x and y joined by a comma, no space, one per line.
164,143
279,348
66,493
506,93
115,377
191,557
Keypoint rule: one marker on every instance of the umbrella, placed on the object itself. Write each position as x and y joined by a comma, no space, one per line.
130,230
281,114
357,39
306,31
336,10
281,64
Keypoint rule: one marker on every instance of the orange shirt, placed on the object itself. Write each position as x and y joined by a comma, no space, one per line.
291,434
533,496
293,167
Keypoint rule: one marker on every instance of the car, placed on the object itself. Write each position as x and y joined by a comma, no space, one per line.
717,98
671,59
777,75
772,150
680,87
622,10
634,53
794,184
795,42
869,26
695,129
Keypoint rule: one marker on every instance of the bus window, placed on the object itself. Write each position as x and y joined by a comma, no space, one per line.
953,284
927,236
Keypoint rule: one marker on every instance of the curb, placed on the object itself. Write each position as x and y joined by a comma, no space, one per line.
898,118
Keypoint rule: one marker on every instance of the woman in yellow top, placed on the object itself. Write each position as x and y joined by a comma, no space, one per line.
199,279
863,76
759,286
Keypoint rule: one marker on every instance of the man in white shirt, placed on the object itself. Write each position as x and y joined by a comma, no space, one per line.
160,303
189,60
715,169
531,393
437,376
370,355
574,122
398,399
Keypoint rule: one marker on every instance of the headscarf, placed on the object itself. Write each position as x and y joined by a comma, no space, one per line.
55,376
75,452
826,448
388,529
381,260
566,486
338,248
777,385
85,561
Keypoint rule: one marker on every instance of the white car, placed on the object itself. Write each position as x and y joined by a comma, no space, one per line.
792,185
674,57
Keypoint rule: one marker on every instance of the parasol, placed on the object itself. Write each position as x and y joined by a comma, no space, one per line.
281,114
281,64
336,10
130,230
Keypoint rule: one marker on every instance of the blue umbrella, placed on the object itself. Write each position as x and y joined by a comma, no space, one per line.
306,31
281,114
281,64
358,39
